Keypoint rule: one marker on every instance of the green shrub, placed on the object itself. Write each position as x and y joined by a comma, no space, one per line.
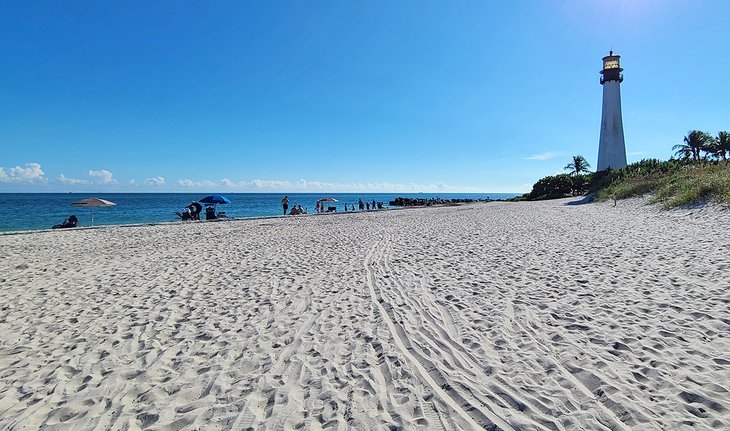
552,187
581,183
673,183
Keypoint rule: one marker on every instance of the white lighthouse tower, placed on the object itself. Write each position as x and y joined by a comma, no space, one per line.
611,147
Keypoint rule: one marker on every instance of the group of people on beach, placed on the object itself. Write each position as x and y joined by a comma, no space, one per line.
193,211
295,210
366,206
320,207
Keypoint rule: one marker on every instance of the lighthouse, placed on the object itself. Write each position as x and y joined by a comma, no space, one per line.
611,146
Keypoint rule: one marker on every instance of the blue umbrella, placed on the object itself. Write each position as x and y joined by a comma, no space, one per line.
215,199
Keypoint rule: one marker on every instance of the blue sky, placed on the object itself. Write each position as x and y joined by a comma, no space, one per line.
466,96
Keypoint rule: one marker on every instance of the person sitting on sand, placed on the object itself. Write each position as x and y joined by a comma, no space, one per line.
195,209
71,221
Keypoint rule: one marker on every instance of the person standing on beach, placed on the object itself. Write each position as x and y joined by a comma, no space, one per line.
360,204
285,203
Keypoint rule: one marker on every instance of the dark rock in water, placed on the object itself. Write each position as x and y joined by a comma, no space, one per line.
422,202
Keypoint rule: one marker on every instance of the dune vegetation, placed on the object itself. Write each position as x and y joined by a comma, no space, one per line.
699,172
670,183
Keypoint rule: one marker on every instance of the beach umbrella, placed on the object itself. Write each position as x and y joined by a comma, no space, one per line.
215,199
321,202
93,202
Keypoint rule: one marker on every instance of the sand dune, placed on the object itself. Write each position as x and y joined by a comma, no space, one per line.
514,316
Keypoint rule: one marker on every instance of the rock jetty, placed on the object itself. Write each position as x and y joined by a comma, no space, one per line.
423,202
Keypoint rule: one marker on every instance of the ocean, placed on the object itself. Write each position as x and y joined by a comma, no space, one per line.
29,211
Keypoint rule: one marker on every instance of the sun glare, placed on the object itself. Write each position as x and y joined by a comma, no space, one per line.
600,16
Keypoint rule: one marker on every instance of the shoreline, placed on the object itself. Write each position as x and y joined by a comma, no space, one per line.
233,219
530,315
22,212
195,222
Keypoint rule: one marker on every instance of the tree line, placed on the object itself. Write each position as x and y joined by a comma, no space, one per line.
697,146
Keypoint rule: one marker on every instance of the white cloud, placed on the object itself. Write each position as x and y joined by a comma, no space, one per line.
64,179
102,176
31,173
197,184
544,156
156,181
132,182
281,185
302,185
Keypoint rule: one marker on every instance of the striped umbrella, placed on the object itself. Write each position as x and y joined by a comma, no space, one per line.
93,202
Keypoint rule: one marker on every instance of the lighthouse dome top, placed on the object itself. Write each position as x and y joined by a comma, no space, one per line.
611,71
611,61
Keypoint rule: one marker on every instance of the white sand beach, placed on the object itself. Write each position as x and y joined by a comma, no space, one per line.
513,316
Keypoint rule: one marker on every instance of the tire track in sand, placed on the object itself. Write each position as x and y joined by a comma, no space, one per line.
442,339
615,421
407,352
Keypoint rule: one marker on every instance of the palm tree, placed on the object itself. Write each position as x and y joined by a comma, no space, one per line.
577,166
695,142
579,184
722,144
698,141
683,152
